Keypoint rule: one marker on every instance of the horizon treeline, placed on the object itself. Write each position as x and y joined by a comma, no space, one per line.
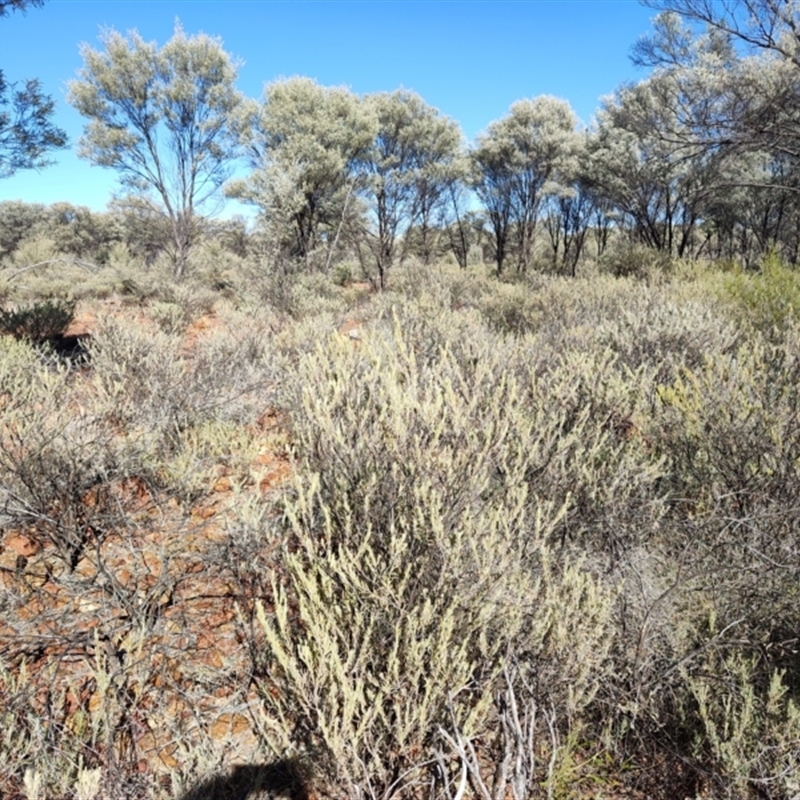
697,160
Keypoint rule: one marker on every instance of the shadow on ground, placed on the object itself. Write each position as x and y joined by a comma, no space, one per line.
283,779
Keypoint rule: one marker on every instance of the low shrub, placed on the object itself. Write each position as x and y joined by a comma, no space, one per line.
630,260
419,574
342,273
768,299
38,322
749,736
540,539
512,309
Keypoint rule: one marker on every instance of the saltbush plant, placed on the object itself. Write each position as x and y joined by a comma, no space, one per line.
419,570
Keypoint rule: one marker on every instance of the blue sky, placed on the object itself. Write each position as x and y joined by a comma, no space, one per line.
470,60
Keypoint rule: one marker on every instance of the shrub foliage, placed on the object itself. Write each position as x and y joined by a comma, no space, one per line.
469,539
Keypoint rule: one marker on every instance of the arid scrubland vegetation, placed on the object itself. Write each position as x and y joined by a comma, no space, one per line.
461,537
461,473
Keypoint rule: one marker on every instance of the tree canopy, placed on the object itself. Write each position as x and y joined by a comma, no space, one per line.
26,129
303,144
406,169
518,160
27,133
7,6
702,156
160,117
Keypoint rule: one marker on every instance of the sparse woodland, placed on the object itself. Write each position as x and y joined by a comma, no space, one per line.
461,472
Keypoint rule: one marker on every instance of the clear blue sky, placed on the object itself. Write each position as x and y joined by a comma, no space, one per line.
470,60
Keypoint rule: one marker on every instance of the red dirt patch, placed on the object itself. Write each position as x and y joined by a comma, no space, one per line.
147,628
83,324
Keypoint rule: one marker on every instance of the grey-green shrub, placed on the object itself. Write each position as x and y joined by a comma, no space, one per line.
418,562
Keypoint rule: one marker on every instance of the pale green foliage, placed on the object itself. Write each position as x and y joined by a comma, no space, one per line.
193,460
418,564
638,160
572,208
302,142
512,309
141,374
34,250
169,316
498,556
50,454
768,299
413,159
518,161
160,118
728,429
667,334
724,94
736,415
19,221
751,731
26,130
73,447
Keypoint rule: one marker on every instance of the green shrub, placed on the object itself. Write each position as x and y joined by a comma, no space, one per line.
342,273
749,730
629,260
33,251
768,299
512,309
174,411
668,334
38,322
731,431
54,462
728,431
170,317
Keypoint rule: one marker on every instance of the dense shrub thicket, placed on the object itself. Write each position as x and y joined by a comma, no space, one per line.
539,538
520,531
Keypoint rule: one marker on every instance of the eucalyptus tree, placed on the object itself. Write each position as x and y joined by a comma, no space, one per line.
762,26
146,232
737,81
756,211
463,225
493,180
304,143
414,157
160,117
770,206
19,221
439,180
571,209
517,162
739,61
657,179
27,132
83,233
736,64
